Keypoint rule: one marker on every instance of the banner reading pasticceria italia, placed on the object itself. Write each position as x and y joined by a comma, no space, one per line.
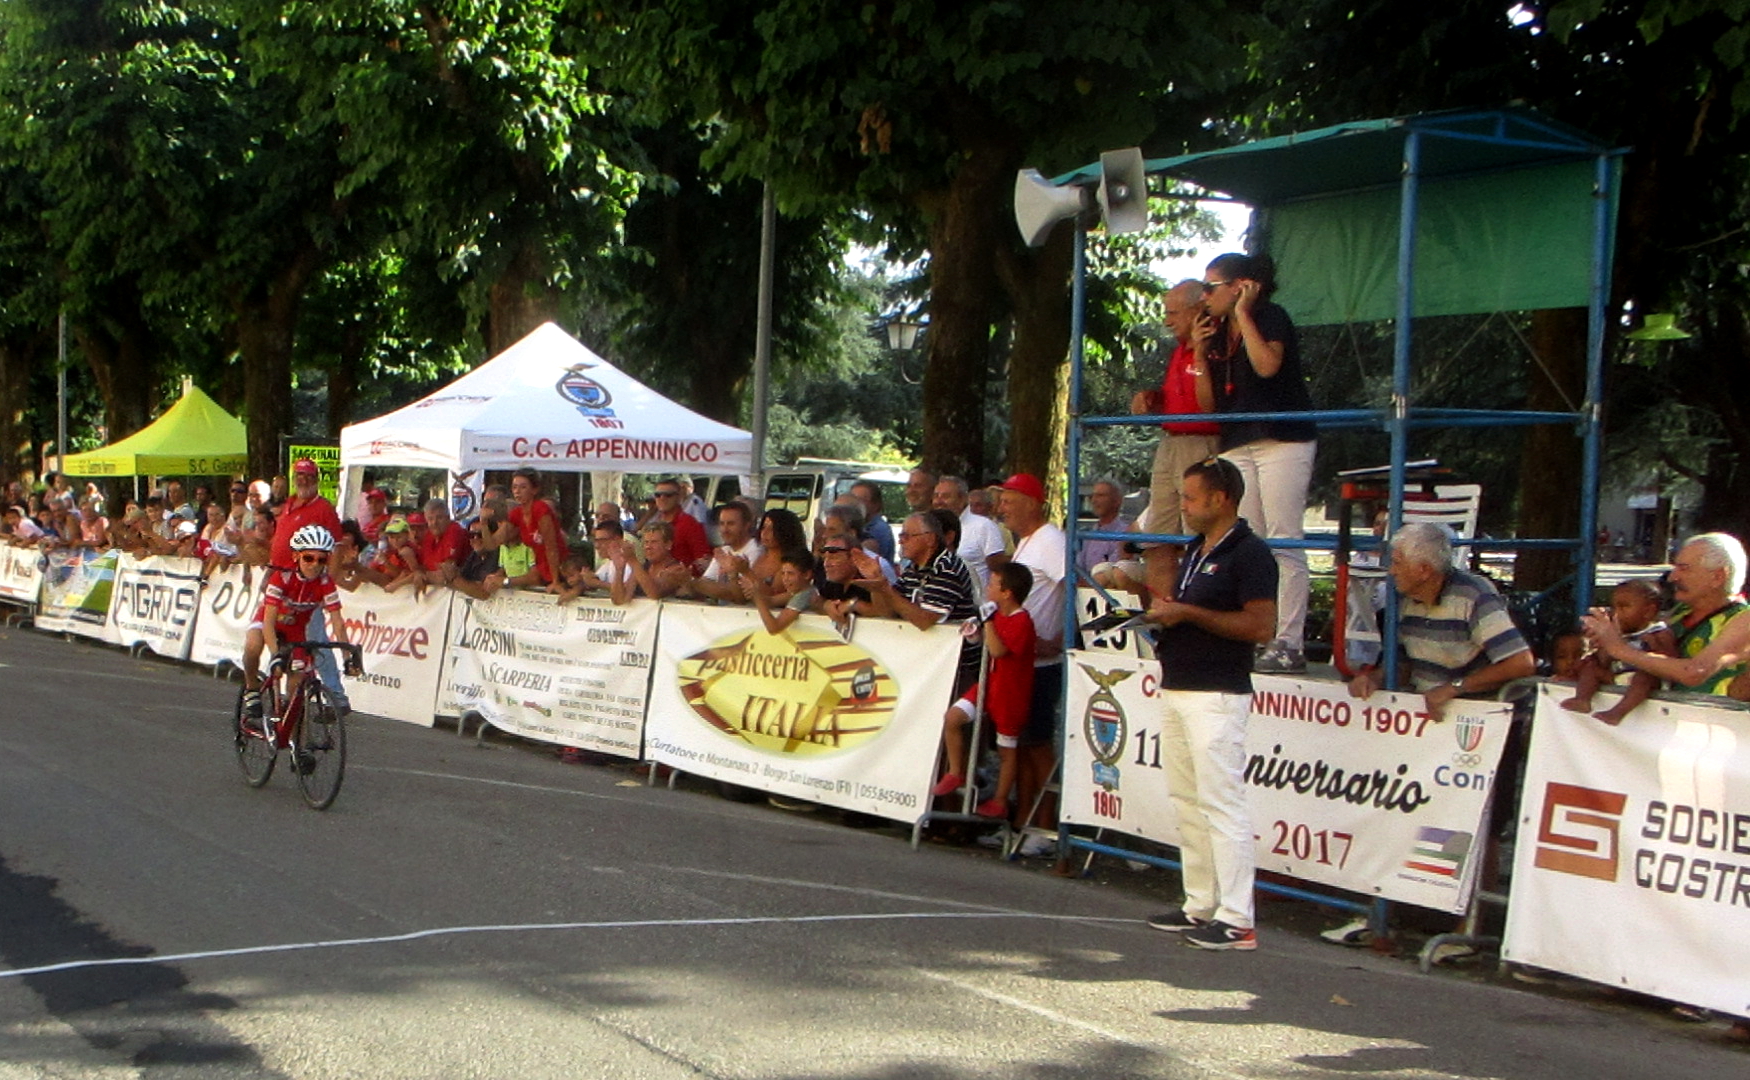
1370,796
804,713
154,603
576,673
1632,866
21,576
75,593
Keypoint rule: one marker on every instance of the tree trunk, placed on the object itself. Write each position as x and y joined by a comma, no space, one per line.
125,368
343,381
521,299
965,231
1550,460
17,448
1038,285
266,324
1725,500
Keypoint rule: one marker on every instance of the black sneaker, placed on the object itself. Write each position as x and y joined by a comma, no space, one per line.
1219,935
252,704
1175,921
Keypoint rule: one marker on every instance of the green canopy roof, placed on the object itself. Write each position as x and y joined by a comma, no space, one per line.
1505,214
194,437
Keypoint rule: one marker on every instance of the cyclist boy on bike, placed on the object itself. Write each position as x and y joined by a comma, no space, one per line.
291,597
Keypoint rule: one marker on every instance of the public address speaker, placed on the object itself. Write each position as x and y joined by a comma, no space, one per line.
1122,198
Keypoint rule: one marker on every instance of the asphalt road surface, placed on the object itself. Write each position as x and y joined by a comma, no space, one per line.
470,911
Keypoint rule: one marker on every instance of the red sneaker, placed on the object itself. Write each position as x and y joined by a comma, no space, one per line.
948,785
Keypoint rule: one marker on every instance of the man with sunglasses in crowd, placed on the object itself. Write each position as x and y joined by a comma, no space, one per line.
691,547
306,506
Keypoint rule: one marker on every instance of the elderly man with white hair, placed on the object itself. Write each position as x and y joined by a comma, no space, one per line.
1711,620
1453,628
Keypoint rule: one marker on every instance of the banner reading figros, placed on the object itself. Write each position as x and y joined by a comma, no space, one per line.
575,673
1632,866
1371,796
154,603
854,724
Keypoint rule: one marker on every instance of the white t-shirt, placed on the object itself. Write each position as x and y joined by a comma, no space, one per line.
605,573
980,538
751,551
1043,553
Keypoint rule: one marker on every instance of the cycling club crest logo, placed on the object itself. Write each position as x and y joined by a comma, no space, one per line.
462,499
590,397
1104,726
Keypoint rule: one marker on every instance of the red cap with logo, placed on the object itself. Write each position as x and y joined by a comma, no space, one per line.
1026,484
305,465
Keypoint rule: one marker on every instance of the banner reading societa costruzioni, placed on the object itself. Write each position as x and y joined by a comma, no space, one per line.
1371,796
854,724
21,578
1632,866
576,673
401,635
154,603
75,593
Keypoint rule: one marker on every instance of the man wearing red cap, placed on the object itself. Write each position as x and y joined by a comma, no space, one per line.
1041,547
376,514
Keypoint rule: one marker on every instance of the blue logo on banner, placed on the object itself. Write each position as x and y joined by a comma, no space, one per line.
590,397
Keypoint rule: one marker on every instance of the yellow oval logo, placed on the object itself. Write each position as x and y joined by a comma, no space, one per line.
804,692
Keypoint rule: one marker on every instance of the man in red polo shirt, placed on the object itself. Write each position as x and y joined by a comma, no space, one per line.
304,507
690,543
441,541
376,514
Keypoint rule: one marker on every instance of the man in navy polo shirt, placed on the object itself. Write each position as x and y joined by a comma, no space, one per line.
1226,603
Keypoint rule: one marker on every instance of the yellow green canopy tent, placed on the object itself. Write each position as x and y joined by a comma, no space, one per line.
194,437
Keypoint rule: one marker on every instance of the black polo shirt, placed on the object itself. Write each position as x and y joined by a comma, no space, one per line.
1240,569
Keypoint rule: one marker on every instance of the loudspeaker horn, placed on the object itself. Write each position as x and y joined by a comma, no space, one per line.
1040,205
1123,191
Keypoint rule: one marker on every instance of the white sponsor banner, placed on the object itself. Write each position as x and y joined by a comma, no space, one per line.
226,606
576,673
1632,864
75,593
402,638
154,603
20,574
804,713
1090,604
1370,796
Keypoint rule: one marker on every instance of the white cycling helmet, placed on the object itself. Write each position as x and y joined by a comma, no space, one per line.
313,538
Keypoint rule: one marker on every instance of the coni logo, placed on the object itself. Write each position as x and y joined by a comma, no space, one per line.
1579,831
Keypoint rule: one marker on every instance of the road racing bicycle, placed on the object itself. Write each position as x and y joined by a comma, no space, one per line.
299,716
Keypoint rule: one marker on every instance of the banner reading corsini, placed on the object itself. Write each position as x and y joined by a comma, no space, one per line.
21,577
575,673
154,603
1632,866
854,724
226,606
75,593
1371,796
402,638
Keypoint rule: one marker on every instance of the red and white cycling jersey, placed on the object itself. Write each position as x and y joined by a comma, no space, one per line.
296,597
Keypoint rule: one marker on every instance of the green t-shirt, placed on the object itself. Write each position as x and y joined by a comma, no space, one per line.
1691,640
516,559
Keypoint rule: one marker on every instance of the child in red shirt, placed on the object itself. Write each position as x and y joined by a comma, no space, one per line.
289,600
1011,640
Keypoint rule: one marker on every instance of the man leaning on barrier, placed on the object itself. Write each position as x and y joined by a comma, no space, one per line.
1453,629
1711,620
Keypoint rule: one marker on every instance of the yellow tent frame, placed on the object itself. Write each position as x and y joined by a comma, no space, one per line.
194,437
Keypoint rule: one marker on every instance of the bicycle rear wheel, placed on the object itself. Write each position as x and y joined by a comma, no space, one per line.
255,753
319,747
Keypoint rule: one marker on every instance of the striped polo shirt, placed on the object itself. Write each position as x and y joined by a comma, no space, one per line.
1466,629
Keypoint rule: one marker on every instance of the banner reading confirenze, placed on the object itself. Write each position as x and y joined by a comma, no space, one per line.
1370,796
402,637
804,713
1632,866
575,673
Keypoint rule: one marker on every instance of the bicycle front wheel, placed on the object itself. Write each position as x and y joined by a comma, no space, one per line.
319,747
255,752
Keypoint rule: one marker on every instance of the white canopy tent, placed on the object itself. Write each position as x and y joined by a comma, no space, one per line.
546,402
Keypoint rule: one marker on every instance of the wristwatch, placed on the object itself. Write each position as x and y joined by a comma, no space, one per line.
1458,685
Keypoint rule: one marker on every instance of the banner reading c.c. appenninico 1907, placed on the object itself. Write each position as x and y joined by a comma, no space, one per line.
1371,796
854,724
1632,863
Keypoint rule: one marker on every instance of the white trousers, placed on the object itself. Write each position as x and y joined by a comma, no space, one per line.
1203,737
1277,475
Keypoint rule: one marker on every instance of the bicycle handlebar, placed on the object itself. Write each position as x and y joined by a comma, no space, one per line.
355,654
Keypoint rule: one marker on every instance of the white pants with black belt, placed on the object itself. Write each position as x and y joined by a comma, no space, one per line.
1203,745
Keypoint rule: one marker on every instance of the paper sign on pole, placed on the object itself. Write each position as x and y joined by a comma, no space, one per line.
1090,604
1632,863
154,603
75,593
1370,796
804,713
402,638
576,673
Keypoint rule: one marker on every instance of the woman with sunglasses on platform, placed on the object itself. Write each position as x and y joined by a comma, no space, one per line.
1248,361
